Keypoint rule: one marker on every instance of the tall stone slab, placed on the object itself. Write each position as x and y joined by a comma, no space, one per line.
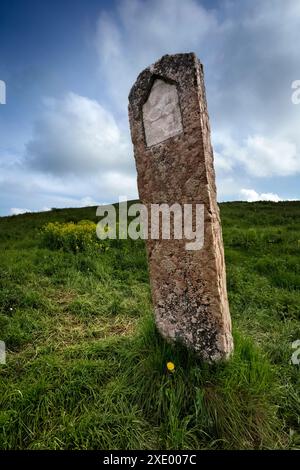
174,159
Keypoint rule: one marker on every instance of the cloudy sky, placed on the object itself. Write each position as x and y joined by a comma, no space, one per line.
68,66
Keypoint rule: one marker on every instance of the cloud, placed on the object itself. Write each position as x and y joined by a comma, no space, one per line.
43,191
79,151
139,32
270,157
250,195
76,135
17,210
250,54
259,156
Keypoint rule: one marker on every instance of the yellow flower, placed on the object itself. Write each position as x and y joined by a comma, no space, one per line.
170,366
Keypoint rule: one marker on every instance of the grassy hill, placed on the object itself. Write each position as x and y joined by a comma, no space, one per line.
86,368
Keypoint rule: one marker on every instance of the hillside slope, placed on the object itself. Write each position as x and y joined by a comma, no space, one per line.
86,368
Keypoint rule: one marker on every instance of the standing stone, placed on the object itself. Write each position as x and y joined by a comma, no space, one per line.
174,159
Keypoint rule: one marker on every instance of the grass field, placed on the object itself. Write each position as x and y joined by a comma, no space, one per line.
86,368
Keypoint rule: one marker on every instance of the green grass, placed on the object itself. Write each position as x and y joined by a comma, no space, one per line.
86,368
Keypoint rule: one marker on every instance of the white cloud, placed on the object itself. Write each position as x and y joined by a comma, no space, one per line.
251,195
79,153
138,33
76,135
259,156
17,210
249,51
41,192
266,157
223,161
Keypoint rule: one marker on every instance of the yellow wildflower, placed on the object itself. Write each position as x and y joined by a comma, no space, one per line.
170,367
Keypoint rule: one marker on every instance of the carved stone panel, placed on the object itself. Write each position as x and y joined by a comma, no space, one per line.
161,113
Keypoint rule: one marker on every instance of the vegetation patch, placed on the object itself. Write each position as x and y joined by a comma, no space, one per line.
87,369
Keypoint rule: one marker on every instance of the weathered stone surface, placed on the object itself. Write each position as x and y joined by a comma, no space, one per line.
161,113
174,161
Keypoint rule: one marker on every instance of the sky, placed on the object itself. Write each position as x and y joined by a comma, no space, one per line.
68,66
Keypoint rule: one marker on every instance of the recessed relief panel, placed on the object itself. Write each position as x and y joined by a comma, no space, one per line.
161,113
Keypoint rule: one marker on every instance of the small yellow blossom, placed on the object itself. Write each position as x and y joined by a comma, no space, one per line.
170,366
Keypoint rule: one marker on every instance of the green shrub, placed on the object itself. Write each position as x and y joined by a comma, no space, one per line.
71,237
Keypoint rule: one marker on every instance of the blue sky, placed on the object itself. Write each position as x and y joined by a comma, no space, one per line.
69,65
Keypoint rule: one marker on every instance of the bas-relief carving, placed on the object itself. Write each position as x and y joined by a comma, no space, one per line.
161,113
